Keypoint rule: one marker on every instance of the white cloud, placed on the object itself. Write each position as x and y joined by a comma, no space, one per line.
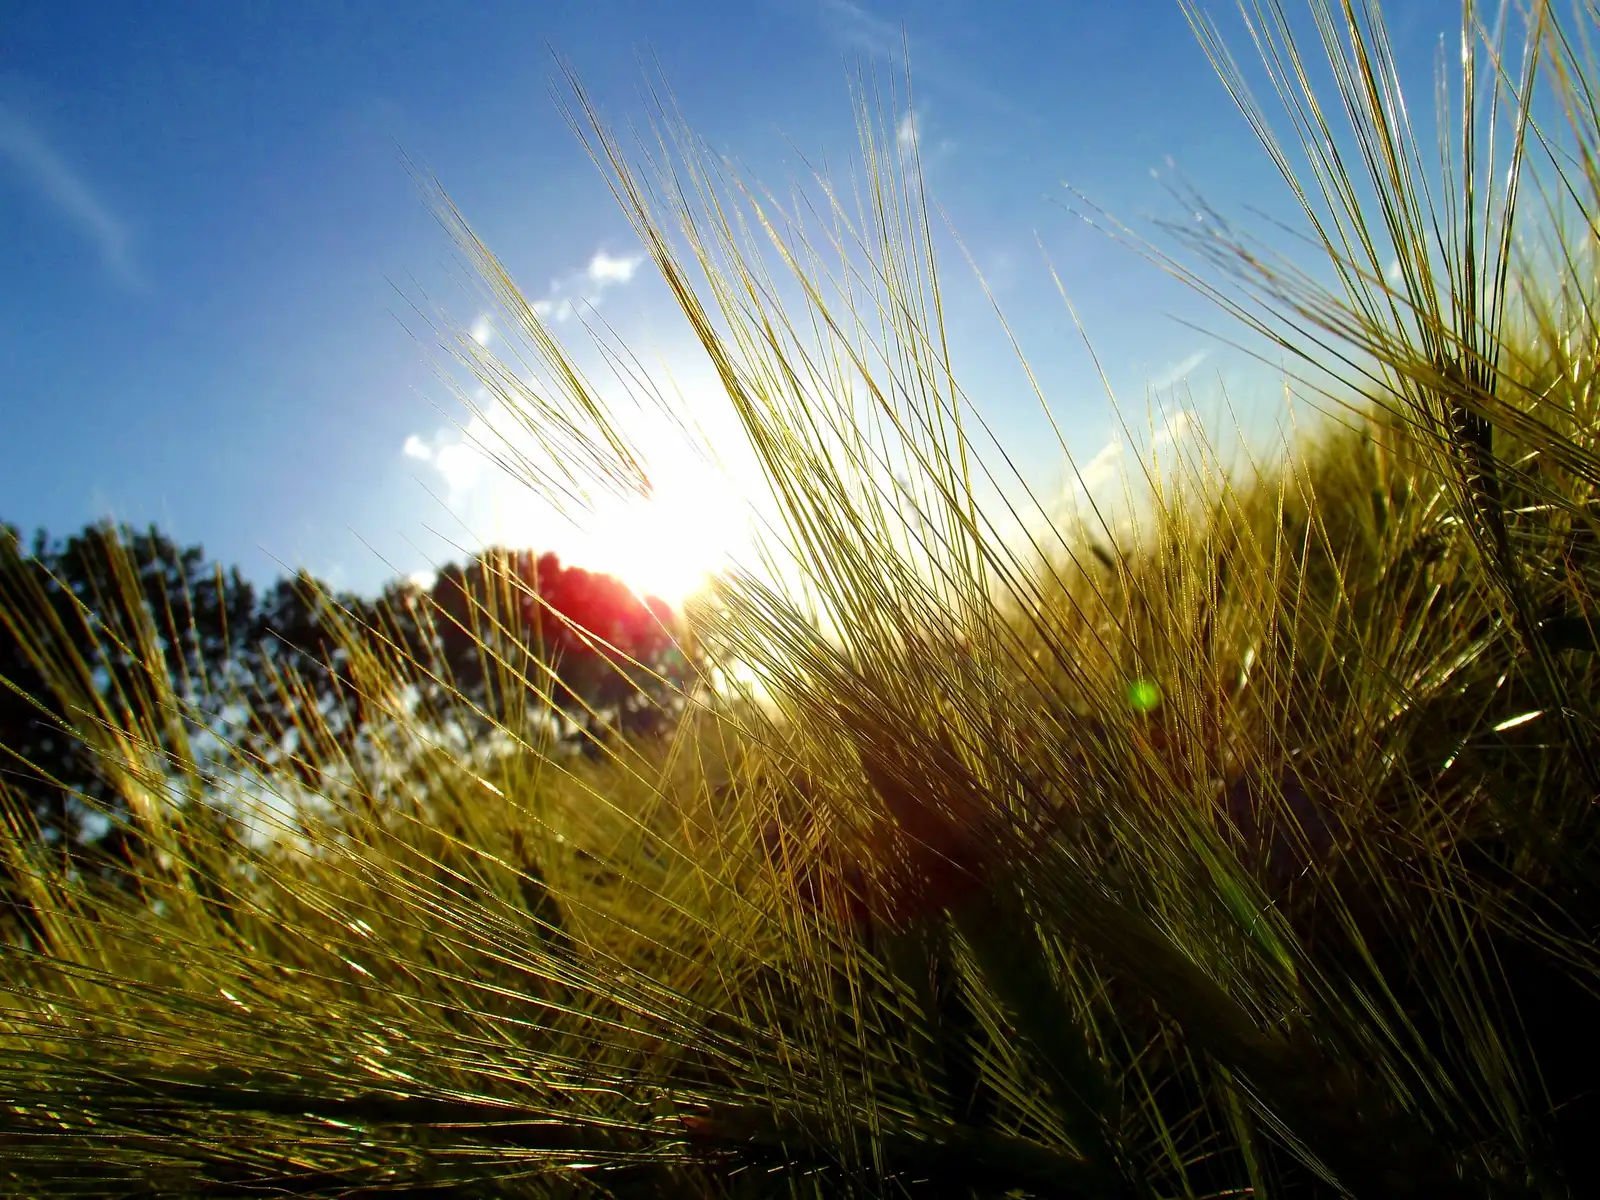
1103,466
583,287
483,330
605,269
918,147
1179,371
1174,428
853,26
458,453
905,132
1110,462
462,463
44,170
858,28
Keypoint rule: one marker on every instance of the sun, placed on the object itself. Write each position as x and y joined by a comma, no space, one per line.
708,494
691,528
695,525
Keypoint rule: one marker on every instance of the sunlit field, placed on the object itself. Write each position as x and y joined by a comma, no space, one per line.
1236,837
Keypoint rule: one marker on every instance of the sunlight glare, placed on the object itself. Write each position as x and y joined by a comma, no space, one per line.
673,543
694,525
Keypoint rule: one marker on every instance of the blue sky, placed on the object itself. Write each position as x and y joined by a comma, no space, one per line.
208,236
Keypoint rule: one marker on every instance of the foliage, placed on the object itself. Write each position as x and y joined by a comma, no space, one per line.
607,651
89,621
70,612
1250,852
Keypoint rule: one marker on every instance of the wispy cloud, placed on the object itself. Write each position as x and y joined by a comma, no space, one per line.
460,455
905,133
1179,371
1103,466
858,28
1110,462
918,144
42,169
1174,429
585,287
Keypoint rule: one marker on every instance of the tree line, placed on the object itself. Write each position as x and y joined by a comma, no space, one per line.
505,639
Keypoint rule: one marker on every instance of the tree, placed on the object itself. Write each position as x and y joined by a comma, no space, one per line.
108,634
79,623
301,678
124,632
518,631
87,624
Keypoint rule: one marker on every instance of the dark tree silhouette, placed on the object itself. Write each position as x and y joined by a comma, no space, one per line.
70,614
85,624
301,682
512,633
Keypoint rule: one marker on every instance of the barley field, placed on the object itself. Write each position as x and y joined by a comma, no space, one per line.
1244,843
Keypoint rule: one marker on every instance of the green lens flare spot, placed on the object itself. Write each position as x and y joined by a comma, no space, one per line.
1143,696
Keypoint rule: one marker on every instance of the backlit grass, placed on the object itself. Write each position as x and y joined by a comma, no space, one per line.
1249,850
